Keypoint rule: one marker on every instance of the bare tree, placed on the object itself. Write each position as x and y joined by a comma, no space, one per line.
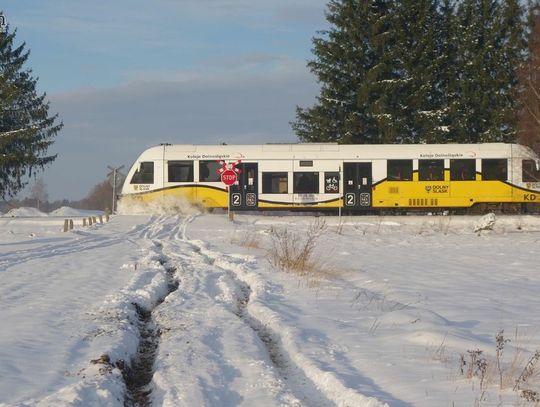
99,197
529,116
39,192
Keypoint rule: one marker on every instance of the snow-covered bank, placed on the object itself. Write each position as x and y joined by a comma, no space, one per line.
393,305
64,211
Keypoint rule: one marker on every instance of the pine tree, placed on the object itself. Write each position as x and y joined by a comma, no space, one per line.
416,72
412,97
510,46
490,51
448,78
26,129
349,65
378,67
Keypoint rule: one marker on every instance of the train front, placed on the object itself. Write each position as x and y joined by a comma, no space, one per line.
143,181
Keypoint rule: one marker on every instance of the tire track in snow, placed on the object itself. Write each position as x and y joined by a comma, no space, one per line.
300,376
207,287
138,377
139,373
298,384
309,383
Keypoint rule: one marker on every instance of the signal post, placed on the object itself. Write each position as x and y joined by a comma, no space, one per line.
229,176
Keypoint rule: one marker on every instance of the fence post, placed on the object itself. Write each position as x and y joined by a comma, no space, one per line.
66,225
71,224
101,219
89,221
84,221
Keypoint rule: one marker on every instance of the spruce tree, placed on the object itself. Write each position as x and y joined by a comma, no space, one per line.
511,45
378,66
349,63
26,128
416,72
411,97
489,53
448,78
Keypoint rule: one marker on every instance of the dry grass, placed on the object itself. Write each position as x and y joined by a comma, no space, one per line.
376,301
248,239
440,353
294,252
507,371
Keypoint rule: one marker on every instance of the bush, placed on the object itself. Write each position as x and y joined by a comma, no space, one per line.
293,252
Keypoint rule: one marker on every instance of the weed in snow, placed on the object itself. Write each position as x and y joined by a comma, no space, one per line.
522,380
293,252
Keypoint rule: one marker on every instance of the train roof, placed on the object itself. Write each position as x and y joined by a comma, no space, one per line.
332,150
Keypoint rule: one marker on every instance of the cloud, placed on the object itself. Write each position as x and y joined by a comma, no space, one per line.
129,74
113,126
136,16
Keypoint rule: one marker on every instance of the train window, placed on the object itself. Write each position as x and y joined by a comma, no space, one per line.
208,171
462,170
399,170
274,183
180,171
306,182
531,173
431,170
494,169
331,182
144,174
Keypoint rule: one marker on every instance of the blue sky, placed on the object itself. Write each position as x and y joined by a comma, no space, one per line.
129,74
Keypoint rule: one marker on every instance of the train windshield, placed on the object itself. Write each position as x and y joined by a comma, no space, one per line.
144,174
531,172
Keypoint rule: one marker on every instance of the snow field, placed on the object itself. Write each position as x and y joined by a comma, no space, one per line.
413,294
396,302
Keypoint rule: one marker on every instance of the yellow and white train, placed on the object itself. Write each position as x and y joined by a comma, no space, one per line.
328,175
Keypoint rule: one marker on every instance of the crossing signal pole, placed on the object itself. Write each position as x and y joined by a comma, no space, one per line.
115,179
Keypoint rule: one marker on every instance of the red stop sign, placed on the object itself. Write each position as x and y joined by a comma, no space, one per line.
228,177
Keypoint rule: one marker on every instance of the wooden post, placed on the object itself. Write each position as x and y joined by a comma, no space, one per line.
101,219
89,221
94,219
84,222
66,225
71,224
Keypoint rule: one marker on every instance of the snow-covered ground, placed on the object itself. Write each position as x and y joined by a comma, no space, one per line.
388,311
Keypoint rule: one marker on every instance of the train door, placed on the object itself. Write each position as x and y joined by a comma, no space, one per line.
357,185
244,194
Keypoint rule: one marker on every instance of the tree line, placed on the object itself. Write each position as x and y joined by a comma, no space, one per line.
99,198
423,71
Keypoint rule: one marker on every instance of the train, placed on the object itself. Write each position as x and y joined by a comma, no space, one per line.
329,176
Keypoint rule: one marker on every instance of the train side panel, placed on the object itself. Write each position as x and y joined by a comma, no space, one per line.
353,177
